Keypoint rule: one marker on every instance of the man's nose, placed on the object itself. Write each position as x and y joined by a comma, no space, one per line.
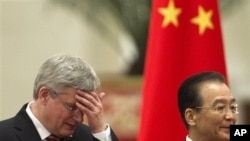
230,114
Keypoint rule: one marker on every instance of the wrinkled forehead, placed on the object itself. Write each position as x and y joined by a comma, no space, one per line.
223,99
216,92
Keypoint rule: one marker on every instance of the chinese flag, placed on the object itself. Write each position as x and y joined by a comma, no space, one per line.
184,39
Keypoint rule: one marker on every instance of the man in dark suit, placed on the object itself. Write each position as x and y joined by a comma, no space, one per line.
64,92
207,107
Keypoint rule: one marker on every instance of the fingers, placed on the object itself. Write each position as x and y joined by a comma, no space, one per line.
101,95
89,102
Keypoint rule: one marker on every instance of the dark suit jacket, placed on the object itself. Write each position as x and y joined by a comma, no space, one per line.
21,128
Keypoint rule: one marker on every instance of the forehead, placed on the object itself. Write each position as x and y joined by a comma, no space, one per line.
215,92
68,93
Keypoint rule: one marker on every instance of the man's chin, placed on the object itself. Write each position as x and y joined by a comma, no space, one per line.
225,136
67,133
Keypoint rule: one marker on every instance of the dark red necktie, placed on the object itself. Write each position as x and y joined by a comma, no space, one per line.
52,138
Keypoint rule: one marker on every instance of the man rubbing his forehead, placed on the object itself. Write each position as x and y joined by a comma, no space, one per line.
64,92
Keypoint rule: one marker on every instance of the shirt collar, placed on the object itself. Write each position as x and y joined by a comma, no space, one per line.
42,131
188,138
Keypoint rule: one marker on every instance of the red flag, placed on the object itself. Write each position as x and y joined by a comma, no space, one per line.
184,38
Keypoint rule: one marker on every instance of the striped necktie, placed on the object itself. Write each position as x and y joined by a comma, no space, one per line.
52,138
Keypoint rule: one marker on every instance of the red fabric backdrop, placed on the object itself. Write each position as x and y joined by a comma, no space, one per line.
184,38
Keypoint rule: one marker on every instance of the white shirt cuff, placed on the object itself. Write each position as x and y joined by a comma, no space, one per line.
104,135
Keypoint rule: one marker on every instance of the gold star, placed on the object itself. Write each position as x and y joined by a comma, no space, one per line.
170,14
203,20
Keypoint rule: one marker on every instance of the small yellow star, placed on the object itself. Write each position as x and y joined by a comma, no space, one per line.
203,20
170,14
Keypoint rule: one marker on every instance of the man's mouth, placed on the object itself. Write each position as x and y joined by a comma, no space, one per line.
71,126
226,129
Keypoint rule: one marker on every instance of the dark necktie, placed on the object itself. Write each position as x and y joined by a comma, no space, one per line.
52,138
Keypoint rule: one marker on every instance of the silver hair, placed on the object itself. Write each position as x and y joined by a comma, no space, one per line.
61,71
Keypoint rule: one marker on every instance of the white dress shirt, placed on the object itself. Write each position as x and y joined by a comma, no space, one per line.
188,138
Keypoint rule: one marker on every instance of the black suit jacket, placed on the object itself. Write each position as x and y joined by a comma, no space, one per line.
21,128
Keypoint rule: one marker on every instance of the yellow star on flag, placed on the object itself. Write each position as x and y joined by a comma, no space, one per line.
170,14
203,20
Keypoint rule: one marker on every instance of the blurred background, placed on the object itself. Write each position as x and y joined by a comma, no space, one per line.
111,35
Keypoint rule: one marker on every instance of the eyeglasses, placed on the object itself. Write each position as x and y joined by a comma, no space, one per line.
222,108
72,109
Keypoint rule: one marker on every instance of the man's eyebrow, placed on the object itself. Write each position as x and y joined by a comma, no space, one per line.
216,101
71,104
233,100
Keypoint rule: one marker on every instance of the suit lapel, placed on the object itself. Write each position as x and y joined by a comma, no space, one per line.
24,127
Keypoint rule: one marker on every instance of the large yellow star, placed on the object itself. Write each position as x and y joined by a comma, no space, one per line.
170,14
203,20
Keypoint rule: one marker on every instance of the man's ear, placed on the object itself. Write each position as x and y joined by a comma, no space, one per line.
190,116
43,94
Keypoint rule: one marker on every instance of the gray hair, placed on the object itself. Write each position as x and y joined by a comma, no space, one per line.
61,71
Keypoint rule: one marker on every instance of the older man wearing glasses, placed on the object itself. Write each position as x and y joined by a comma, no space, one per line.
207,107
64,92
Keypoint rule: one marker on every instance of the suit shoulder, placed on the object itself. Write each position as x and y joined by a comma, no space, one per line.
7,123
7,129
83,127
83,131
